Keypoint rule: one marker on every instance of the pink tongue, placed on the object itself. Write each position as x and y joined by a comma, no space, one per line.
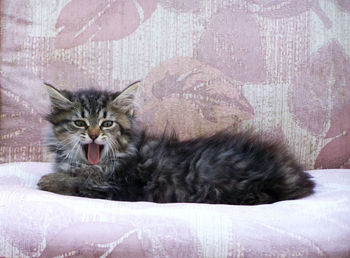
93,153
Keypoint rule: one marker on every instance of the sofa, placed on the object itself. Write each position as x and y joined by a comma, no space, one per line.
278,68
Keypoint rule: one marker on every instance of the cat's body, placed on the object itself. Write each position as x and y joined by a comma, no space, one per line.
108,158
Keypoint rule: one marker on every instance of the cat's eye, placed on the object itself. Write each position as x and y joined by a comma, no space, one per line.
80,123
107,124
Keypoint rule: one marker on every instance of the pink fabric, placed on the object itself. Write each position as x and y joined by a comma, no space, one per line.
35,223
280,67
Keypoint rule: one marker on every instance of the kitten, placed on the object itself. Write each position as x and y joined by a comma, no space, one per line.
100,154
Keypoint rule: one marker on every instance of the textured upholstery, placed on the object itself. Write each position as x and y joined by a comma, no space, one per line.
35,223
279,67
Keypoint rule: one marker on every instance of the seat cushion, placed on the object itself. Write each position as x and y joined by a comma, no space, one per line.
37,223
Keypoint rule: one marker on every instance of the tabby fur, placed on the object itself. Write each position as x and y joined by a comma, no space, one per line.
132,165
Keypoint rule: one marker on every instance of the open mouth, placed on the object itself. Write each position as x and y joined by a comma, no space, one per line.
93,152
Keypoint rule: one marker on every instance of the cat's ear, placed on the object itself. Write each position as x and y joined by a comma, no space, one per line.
58,99
125,100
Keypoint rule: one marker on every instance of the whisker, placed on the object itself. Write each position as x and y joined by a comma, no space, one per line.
67,143
113,147
75,151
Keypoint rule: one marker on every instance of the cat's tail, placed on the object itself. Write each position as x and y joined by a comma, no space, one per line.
292,182
297,185
293,185
284,178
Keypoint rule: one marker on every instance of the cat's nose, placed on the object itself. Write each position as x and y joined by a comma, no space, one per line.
93,136
93,133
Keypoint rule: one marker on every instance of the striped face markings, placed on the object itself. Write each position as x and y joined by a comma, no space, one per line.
104,121
92,125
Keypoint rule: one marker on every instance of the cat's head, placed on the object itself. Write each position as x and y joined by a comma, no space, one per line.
91,126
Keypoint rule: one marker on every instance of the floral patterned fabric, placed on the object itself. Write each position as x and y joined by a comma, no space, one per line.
280,67
35,223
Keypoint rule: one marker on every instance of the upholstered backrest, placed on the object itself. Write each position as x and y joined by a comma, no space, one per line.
279,67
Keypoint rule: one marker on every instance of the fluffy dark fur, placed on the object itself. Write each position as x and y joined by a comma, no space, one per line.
118,162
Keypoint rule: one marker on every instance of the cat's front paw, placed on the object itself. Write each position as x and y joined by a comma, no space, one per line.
93,173
59,183
49,183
